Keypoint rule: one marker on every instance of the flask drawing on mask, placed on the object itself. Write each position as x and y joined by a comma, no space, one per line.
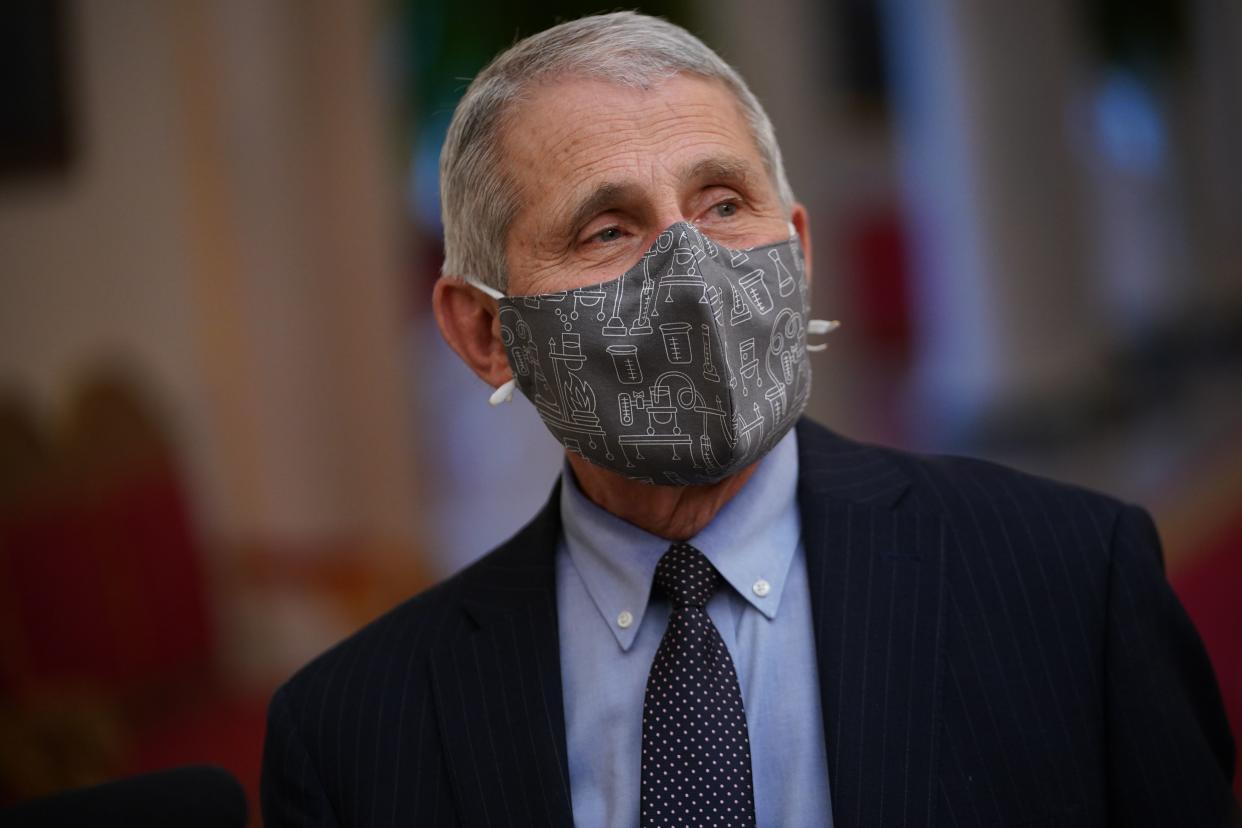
685,260
784,280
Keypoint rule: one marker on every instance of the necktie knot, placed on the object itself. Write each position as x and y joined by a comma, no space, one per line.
686,576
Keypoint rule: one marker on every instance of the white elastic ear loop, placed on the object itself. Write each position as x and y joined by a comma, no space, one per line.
818,327
503,393
488,289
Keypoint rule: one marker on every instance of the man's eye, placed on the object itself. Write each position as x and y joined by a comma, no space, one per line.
608,235
726,209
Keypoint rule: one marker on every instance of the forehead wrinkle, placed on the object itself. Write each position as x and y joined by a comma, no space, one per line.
587,129
570,154
722,168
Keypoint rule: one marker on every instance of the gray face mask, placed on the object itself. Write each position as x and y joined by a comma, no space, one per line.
684,370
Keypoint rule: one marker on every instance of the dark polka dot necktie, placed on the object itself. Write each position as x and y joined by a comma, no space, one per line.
696,752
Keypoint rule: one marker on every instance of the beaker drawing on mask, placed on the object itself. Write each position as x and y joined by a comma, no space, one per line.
677,342
756,291
625,361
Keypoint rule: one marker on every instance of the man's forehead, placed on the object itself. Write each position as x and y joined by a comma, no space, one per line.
572,114
587,138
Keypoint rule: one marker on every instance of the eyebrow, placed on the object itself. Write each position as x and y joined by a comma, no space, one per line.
602,198
608,195
727,170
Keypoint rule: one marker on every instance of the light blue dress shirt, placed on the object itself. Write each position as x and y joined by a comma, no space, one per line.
609,633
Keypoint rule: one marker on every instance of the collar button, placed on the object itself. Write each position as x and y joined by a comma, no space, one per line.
761,588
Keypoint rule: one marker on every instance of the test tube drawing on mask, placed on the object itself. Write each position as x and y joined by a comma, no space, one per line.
750,365
709,368
625,406
642,323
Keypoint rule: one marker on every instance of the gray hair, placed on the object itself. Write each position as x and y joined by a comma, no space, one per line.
479,202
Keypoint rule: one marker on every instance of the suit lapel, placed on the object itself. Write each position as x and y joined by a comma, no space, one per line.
876,576
498,691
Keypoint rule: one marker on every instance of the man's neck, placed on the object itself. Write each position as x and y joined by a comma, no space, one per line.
677,513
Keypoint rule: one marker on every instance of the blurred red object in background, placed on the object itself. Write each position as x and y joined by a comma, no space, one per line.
108,662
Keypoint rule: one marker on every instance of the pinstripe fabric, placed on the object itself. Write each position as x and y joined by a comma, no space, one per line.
993,650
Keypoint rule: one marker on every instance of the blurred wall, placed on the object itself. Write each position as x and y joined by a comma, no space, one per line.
229,235
95,259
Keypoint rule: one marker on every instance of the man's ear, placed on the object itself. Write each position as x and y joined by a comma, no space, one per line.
802,223
470,323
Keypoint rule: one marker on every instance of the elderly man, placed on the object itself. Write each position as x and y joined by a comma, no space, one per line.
727,615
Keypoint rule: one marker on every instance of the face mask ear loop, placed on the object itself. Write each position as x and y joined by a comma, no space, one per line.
819,327
504,393
487,289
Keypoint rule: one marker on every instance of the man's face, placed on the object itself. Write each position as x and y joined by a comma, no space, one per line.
602,169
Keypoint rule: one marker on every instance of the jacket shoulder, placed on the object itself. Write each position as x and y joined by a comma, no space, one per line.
932,483
395,647
948,482
407,633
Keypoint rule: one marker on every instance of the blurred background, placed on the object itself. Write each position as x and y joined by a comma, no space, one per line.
230,433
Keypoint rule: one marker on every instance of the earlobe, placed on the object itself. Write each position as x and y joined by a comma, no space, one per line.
802,223
470,324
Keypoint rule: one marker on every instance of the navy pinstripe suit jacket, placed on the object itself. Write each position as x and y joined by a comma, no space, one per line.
994,649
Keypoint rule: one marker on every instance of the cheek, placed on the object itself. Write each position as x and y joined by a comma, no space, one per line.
532,270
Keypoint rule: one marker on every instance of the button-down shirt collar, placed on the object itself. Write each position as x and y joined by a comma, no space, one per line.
617,560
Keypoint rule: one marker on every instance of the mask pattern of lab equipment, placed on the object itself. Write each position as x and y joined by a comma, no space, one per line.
683,370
